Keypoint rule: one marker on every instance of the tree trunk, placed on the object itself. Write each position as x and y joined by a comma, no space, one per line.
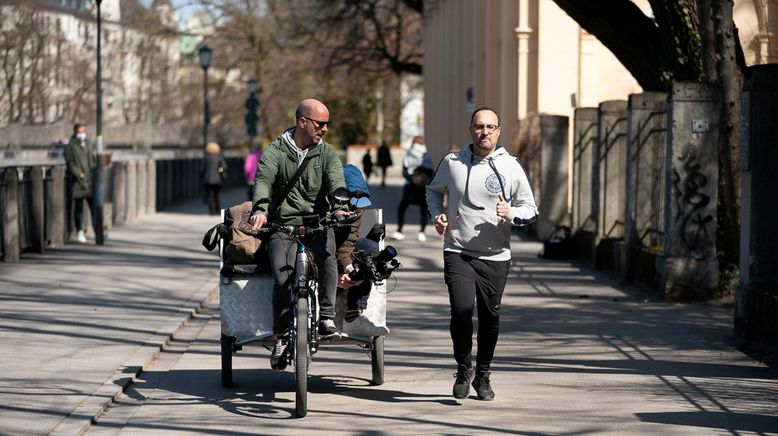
730,81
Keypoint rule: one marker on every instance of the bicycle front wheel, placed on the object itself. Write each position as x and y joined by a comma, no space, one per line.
301,358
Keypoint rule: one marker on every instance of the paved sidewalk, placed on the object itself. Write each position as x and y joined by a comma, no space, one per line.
78,322
578,353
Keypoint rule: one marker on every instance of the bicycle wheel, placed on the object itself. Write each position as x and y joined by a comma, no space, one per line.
227,342
377,360
301,358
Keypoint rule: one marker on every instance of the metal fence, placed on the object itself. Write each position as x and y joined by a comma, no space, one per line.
37,205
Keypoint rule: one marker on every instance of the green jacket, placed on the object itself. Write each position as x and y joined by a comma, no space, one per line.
312,194
79,160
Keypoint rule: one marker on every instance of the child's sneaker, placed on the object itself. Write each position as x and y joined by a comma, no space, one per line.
362,326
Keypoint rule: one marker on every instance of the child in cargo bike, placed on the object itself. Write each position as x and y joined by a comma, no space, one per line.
358,281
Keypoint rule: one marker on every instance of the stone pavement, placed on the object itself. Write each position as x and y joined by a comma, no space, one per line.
578,352
78,322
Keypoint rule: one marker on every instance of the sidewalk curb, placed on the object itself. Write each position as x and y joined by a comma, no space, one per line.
81,418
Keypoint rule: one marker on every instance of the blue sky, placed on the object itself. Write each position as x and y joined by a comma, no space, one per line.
185,8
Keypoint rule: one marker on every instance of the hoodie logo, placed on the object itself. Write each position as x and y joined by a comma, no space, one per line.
493,185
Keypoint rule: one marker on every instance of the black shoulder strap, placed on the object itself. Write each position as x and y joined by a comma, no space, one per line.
277,200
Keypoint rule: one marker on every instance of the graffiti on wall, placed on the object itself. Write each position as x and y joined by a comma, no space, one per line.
695,224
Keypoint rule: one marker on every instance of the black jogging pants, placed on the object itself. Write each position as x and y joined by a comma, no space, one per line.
474,281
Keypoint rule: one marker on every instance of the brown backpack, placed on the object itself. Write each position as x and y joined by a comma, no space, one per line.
241,247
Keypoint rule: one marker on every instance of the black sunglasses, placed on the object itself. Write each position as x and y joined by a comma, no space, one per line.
318,124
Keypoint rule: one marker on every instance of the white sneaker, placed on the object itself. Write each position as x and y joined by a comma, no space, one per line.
397,236
362,326
422,237
81,237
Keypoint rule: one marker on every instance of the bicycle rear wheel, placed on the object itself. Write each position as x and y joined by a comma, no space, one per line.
301,358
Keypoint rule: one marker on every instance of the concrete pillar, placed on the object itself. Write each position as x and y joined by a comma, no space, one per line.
612,168
644,219
132,191
691,194
756,309
151,206
11,248
38,220
611,174
551,188
57,213
584,151
120,192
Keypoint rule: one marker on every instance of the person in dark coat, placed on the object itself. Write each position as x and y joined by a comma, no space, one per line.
213,173
79,161
367,164
384,161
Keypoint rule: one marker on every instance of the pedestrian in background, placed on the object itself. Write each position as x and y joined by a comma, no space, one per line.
488,191
79,160
250,164
417,171
384,161
367,164
213,173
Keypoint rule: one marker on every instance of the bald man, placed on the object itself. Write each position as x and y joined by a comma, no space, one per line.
311,194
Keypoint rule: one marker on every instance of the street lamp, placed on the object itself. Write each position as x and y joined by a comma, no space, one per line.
205,62
252,117
97,185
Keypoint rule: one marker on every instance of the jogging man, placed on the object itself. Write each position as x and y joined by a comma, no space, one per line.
488,191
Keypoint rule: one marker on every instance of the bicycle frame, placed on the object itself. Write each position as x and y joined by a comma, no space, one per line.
304,286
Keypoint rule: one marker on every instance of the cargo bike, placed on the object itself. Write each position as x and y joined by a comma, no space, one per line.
246,305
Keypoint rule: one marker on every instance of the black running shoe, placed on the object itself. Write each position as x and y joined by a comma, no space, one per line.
462,384
482,387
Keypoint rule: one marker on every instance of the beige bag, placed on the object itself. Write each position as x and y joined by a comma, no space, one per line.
242,247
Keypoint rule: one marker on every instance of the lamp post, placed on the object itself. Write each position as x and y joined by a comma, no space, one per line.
205,62
97,214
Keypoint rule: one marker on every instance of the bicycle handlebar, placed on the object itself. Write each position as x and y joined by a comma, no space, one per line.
297,230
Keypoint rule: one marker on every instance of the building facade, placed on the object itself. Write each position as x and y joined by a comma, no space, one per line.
49,72
525,57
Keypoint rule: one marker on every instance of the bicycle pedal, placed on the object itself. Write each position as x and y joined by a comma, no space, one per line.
331,337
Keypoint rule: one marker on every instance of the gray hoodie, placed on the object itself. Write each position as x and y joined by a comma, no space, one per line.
473,190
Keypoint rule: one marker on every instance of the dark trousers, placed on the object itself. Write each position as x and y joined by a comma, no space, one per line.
79,211
412,195
355,293
474,281
214,205
282,259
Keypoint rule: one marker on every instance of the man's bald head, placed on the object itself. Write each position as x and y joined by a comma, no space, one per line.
312,108
312,119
